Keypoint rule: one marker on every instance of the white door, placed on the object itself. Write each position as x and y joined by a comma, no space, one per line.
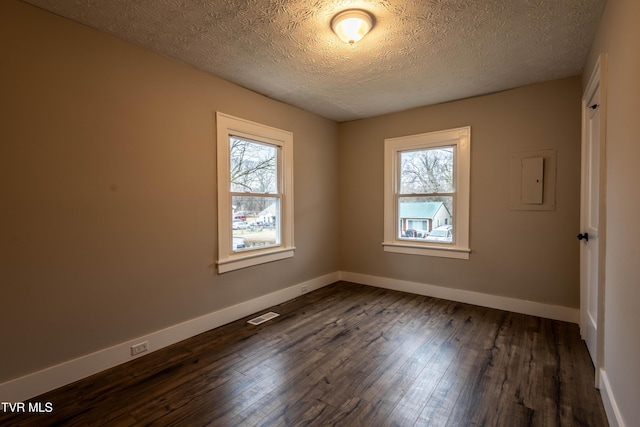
592,210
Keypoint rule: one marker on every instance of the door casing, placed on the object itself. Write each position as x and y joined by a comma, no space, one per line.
593,311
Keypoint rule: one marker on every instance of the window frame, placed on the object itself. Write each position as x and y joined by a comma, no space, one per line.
228,260
460,139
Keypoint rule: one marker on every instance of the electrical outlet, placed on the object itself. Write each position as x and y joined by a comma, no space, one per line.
304,289
139,348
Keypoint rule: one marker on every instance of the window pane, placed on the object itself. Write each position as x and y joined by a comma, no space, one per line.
254,166
426,171
256,222
426,219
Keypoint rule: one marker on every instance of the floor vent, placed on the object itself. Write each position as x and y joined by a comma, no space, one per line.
263,318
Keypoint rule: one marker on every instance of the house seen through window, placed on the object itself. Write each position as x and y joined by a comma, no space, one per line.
426,193
255,196
255,193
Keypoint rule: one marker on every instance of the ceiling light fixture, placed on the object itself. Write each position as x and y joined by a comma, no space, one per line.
352,25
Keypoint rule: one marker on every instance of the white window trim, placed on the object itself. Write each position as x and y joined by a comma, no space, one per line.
461,139
227,259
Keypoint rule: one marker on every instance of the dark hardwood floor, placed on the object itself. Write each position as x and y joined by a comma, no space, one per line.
349,355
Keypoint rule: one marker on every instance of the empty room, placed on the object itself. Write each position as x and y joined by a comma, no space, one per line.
268,212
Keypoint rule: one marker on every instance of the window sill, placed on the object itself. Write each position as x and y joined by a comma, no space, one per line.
436,251
244,260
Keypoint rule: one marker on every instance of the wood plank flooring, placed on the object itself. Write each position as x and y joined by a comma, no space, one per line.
349,355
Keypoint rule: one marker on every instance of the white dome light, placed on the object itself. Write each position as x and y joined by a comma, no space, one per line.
352,25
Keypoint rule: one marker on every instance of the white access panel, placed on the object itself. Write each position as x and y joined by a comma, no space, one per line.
532,181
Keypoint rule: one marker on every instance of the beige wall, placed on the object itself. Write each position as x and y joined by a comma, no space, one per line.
107,168
520,254
617,36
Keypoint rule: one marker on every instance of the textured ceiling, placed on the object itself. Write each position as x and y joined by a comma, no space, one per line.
419,52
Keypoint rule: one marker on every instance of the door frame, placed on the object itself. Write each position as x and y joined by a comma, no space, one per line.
597,81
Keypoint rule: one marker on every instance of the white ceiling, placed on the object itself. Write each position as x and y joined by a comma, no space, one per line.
418,53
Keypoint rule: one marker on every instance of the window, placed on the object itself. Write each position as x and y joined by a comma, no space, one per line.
426,194
255,193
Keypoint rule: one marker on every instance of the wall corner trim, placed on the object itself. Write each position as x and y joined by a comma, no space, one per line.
36,383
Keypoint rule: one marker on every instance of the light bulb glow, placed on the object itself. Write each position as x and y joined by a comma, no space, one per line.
352,25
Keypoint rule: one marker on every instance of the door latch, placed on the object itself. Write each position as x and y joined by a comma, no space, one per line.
584,236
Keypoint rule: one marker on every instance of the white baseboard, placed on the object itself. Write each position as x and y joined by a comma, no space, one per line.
34,384
547,311
611,408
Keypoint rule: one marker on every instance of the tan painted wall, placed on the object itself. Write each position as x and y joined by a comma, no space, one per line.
108,171
107,175
618,36
520,254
